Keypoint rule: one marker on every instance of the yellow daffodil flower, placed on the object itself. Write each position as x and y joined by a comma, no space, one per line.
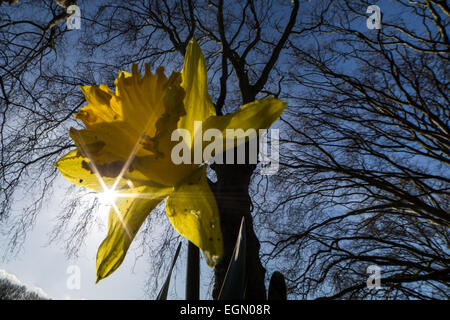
124,154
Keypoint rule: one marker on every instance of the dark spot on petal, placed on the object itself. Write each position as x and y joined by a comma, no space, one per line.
111,169
96,147
81,180
85,165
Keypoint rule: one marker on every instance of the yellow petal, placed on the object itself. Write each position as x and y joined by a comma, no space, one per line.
162,170
193,212
260,114
197,101
146,99
126,74
125,218
134,123
97,143
78,171
132,120
102,106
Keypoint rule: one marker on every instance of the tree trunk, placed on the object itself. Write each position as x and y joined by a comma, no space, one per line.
233,200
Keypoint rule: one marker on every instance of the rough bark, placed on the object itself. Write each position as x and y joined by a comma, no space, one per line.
233,200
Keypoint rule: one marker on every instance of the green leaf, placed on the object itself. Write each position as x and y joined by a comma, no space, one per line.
234,284
165,288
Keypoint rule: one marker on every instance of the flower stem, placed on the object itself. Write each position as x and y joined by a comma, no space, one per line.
193,273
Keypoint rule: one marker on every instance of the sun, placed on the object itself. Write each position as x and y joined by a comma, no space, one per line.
107,197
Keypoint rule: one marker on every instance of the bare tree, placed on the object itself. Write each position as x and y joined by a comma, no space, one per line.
365,178
34,108
12,291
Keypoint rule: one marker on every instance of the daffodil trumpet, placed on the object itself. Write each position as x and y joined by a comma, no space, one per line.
124,153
